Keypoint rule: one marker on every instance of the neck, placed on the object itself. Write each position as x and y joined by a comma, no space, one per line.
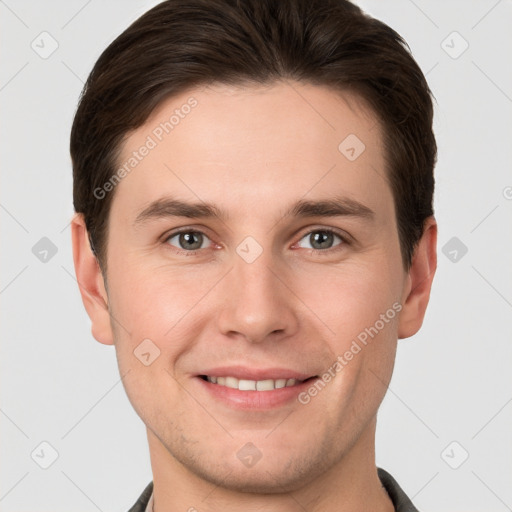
352,484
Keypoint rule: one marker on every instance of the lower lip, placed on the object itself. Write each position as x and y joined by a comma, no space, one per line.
255,400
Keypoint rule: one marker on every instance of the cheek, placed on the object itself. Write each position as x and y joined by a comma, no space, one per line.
151,331
153,301
358,305
160,311
350,297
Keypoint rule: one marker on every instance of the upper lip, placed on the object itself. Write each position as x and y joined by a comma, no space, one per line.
243,372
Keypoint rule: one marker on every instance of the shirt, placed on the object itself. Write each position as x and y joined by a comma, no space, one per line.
398,497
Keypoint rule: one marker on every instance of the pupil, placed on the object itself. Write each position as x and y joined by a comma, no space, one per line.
190,240
321,240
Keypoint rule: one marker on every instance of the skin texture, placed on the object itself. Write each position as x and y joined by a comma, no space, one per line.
254,151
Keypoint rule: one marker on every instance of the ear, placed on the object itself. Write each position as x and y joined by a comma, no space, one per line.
419,281
91,283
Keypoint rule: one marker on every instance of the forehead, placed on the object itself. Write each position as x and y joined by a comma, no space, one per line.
256,148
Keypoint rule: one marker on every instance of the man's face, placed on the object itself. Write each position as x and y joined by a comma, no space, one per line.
261,291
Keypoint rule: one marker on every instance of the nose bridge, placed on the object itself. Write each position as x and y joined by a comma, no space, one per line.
256,302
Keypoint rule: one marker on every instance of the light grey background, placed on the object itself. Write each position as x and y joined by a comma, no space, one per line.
452,381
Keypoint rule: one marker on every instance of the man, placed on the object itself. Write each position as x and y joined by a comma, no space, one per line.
253,184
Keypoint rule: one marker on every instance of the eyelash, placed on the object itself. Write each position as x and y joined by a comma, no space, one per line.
317,252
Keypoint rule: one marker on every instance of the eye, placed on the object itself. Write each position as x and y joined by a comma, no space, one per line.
320,239
189,240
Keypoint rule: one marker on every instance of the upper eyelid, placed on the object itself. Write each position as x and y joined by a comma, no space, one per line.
339,232
345,240
172,234
345,237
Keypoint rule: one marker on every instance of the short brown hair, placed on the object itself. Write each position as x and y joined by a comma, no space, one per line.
180,44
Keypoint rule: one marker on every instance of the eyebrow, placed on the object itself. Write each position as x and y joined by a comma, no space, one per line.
336,207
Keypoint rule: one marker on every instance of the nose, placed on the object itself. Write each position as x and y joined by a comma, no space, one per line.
258,303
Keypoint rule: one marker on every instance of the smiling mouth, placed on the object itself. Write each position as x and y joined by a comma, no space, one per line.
253,385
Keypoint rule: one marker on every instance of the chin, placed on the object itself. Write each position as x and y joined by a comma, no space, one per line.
263,478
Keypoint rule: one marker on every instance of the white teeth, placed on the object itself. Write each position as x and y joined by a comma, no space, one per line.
231,382
265,385
247,385
252,385
280,383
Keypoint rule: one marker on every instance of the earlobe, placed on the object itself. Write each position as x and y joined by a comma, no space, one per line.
419,281
90,282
